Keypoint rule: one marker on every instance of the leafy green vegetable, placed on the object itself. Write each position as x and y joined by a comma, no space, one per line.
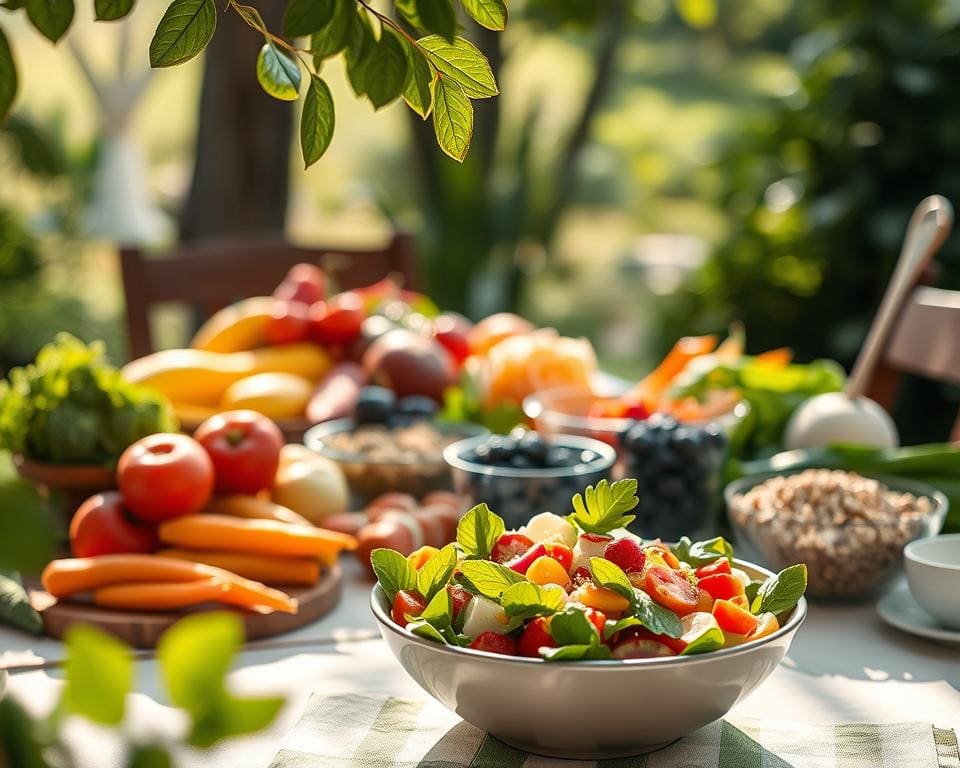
435,573
655,617
576,636
525,600
99,671
478,531
583,652
781,592
464,403
611,576
439,611
72,407
604,508
393,572
486,578
426,630
709,640
15,608
702,552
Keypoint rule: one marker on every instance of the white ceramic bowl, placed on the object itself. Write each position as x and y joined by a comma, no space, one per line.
933,572
587,709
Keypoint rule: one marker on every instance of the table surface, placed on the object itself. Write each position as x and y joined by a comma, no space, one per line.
845,665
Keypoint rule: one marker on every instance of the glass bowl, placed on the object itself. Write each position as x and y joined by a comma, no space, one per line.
370,476
849,553
519,494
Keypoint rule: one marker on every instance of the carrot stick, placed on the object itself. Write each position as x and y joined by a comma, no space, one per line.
259,537
252,508
149,596
62,578
683,351
265,568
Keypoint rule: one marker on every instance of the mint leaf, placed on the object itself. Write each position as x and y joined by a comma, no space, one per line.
478,531
439,611
582,652
305,16
111,10
316,121
656,618
488,579
781,592
426,630
99,672
393,572
418,91
525,600
461,62
702,552
385,70
711,639
452,118
491,14
437,16
51,18
611,576
8,77
604,508
435,573
185,29
572,627
278,74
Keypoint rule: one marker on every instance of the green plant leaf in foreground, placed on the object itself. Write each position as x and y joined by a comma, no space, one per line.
149,756
316,121
195,654
418,91
52,18
304,17
452,119
491,14
15,608
99,672
278,74
437,16
111,10
8,77
185,29
461,62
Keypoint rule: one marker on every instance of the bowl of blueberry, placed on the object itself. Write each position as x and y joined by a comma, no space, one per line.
525,472
390,444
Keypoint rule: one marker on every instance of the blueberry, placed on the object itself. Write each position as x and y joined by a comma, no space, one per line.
640,439
562,457
661,422
481,454
533,447
374,405
715,436
417,406
501,448
689,442
520,461
671,487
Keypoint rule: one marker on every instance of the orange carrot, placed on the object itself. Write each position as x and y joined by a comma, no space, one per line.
683,351
259,537
776,358
152,596
62,578
270,570
252,508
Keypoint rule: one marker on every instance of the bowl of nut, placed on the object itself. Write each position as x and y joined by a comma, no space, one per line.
849,529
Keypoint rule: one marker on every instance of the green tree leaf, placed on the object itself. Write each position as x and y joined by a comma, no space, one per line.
461,62
316,121
491,14
333,36
99,672
8,77
418,91
304,17
111,10
20,742
52,18
279,75
452,119
385,71
437,16
359,46
185,29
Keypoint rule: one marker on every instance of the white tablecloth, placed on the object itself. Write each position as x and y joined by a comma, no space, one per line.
844,666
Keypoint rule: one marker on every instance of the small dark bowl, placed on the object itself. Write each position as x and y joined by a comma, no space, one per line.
519,494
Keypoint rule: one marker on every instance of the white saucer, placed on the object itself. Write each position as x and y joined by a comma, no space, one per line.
900,610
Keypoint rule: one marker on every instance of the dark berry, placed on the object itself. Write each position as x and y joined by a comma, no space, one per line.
417,406
533,447
520,461
501,448
562,457
374,405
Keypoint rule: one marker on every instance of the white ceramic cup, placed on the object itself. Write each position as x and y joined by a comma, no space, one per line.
933,572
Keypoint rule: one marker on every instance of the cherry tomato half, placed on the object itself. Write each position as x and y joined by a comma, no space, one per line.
671,589
405,603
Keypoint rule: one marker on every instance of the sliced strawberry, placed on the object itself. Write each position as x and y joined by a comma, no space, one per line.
509,547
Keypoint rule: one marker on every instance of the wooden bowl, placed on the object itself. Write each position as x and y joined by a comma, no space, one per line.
75,482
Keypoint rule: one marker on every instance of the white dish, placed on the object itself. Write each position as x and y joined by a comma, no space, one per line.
933,572
898,609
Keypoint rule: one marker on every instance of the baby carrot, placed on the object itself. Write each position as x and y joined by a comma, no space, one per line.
266,568
251,507
62,578
148,596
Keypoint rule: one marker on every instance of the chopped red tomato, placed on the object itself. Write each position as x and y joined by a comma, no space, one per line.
561,553
510,546
535,635
722,586
672,590
459,597
491,642
405,603
720,565
732,618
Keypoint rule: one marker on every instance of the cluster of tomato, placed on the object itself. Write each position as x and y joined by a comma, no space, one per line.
167,475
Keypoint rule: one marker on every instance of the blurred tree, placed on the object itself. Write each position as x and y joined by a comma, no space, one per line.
819,190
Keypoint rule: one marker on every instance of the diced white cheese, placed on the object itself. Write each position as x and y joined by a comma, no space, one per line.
585,549
695,624
548,526
483,615
742,575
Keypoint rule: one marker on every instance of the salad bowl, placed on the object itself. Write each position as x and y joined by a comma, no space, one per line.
588,709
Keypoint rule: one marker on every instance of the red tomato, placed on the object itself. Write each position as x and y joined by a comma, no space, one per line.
459,597
245,449
288,323
732,618
561,553
722,586
510,546
451,331
165,475
671,589
491,642
101,526
304,283
405,603
720,565
535,635
338,321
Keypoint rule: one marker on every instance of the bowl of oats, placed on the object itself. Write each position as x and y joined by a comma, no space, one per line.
849,529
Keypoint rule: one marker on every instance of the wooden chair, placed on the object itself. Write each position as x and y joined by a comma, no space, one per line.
209,275
924,342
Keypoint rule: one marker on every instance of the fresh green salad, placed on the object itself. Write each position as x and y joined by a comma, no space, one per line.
71,406
581,587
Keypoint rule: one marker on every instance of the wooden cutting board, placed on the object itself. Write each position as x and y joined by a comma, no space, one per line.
143,629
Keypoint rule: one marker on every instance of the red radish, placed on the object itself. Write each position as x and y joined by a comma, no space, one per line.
535,635
626,553
394,500
640,648
434,529
442,497
491,642
346,522
336,395
522,563
407,603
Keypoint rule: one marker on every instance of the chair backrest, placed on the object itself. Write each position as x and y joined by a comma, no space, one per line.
924,342
209,275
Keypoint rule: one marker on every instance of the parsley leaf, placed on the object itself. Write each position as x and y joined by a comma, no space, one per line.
604,508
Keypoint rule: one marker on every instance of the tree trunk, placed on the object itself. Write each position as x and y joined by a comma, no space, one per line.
242,166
